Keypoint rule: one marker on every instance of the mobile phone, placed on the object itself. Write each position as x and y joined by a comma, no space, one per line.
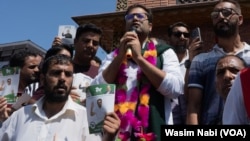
196,33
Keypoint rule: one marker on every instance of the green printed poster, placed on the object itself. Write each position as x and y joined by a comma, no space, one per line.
99,101
9,81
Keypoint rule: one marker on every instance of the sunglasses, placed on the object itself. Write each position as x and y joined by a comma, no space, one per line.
226,12
178,34
140,16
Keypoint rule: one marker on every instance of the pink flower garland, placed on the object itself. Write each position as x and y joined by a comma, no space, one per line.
126,109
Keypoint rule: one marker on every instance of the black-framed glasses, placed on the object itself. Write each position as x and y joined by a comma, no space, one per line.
140,16
178,34
226,12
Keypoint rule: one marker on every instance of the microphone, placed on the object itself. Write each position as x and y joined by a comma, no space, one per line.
129,51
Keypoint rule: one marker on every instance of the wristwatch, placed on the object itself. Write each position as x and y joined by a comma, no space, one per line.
187,64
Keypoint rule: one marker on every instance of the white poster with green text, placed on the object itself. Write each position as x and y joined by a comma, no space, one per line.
99,101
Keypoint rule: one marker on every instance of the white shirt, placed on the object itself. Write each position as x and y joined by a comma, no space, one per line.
100,114
31,124
234,109
182,64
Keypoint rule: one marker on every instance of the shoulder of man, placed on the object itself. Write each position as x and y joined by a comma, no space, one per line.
161,47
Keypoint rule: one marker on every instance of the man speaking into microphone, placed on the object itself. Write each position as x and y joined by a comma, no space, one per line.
129,51
145,82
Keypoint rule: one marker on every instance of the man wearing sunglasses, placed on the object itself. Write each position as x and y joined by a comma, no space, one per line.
146,81
205,106
185,49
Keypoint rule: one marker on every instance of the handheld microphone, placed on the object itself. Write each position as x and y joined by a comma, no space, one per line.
129,51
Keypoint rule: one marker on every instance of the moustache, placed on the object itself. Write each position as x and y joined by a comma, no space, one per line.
62,86
223,22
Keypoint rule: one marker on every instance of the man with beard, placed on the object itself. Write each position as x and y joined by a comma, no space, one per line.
55,116
179,34
204,104
28,62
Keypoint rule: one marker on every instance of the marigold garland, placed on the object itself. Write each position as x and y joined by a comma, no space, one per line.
126,109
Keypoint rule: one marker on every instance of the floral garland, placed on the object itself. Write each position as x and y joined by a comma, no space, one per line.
126,108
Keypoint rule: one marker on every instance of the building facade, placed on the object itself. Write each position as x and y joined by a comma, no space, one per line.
196,13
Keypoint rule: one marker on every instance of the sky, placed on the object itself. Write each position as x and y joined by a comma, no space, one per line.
39,20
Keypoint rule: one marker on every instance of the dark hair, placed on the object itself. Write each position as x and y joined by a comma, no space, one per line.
235,2
149,12
171,27
88,27
56,49
18,59
55,59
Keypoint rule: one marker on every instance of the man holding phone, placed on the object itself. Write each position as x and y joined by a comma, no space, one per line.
196,33
204,104
186,47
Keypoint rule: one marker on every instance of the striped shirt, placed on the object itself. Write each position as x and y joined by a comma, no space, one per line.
202,76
